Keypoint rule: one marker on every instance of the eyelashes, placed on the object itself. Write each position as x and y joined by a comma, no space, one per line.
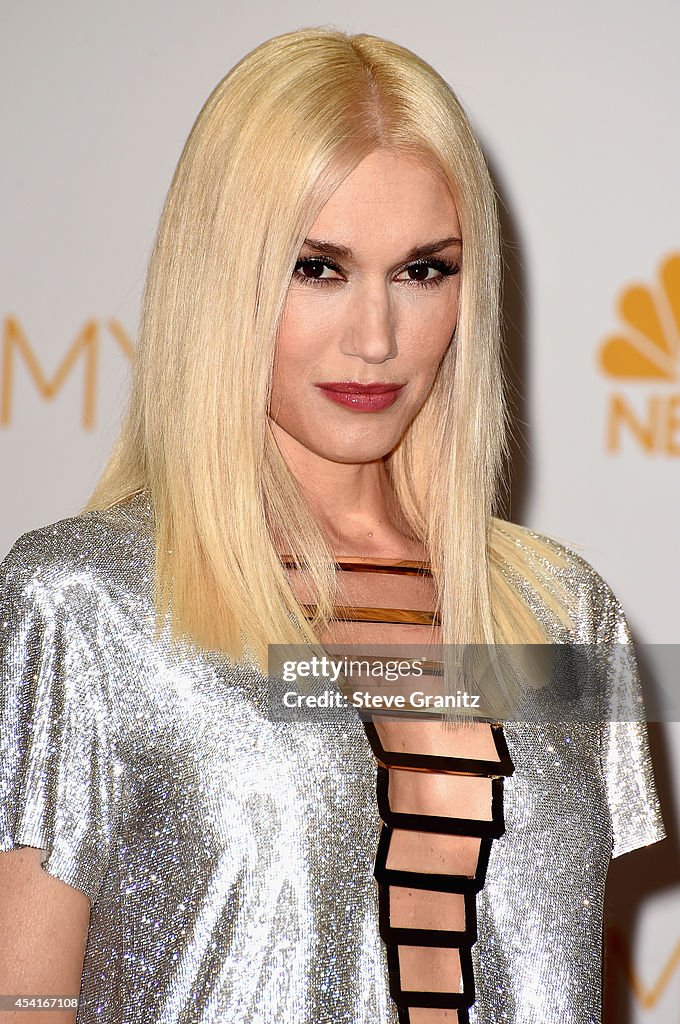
445,268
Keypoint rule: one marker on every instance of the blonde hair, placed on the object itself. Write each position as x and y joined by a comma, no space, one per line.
272,142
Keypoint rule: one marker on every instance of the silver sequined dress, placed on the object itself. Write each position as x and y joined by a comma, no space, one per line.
229,858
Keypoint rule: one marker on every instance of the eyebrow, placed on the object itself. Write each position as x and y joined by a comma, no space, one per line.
342,252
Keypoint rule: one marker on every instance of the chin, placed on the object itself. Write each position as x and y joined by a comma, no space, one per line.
353,453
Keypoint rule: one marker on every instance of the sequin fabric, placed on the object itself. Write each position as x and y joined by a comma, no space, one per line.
229,858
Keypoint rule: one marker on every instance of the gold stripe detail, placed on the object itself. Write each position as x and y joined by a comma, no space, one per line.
384,565
354,613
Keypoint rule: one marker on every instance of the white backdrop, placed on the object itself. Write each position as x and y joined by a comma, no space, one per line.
577,108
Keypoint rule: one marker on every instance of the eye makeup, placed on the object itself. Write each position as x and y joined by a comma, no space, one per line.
445,268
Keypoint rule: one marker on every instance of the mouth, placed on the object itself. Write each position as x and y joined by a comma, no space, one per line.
361,397
350,387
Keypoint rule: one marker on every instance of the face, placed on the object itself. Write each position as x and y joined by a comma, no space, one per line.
373,300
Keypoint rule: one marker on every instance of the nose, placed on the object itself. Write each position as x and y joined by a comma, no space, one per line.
370,331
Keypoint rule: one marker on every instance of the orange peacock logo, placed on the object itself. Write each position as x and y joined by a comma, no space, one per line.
646,350
650,347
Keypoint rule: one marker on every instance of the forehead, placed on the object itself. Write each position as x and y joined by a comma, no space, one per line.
388,200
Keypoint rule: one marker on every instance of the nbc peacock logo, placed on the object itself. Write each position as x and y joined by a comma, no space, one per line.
644,358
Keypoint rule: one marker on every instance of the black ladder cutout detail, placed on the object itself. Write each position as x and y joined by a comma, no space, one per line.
441,763
427,936
431,880
485,830
432,1000
443,824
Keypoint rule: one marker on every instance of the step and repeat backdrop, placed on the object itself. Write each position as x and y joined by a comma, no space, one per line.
576,106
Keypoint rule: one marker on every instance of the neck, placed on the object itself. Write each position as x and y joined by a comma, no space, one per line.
354,503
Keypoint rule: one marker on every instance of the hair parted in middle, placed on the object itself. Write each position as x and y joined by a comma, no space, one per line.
272,142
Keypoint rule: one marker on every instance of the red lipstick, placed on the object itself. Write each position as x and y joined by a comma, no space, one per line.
362,397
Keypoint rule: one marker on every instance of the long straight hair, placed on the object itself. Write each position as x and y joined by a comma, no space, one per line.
272,142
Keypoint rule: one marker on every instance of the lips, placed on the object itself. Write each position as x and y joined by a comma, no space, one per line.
360,398
352,388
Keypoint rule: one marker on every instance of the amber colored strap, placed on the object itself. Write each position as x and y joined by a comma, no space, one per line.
394,616
356,613
385,565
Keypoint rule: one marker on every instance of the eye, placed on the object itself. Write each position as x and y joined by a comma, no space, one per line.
442,269
311,270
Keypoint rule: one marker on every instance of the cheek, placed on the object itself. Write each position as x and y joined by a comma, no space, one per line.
300,337
431,325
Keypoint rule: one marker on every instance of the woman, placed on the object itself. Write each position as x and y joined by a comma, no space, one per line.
312,453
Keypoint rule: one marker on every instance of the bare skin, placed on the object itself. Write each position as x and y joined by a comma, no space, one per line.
43,932
368,320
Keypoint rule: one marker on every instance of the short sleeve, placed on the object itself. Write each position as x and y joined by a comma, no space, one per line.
60,779
626,760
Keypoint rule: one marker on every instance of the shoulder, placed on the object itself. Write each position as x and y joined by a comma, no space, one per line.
79,552
539,563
